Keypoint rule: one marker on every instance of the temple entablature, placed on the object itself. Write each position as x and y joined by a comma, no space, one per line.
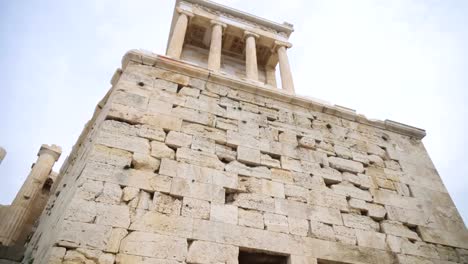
228,41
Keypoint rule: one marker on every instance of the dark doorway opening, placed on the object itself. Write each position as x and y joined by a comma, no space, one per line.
256,257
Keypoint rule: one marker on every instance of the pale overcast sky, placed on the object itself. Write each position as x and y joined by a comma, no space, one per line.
404,60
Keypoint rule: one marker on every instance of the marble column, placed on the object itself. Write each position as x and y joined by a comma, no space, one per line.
178,34
214,58
25,210
270,72
285,69
251,67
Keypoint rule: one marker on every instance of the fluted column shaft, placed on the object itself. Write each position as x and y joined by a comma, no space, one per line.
214,58
178,34
285,69
251,67
270,76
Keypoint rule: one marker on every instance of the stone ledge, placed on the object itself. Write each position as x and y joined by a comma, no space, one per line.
192,70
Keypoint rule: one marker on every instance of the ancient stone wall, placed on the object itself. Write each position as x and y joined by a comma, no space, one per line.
182,169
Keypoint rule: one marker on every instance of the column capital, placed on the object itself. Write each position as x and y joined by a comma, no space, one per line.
217,22
250,33
185,12
278,44
53,150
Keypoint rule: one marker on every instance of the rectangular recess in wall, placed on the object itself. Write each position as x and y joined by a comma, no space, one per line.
261,257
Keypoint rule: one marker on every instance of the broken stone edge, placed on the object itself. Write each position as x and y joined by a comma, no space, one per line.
148,58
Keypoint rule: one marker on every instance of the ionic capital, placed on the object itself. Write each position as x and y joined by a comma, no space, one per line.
250,33
217,22
52,150
184,12
278,44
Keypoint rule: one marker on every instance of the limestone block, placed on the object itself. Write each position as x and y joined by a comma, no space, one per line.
145,162
178,139
168,167
308,181
203,131
226,213
376,211
155,222
292,208
241,169
194,116
89,189
56,255
254,201
165,85
329,175
159,106
346,165
296,193
272,188
376,161
199,158
249,128
195,208
250,218
203,144
293,259
345,234
248,155
280,175
116,237
166,204
326,197
360,205
371,239
276,222
325,215
151,133
112,215
288,138
225,179
154,245
298,226
326,148
124,258
160,150
291,164
321,231
234,138
130,99
343,152
142,179
408,259
350,190
449,238
129,193
202,191
163,121
360,157
187,91
360,222
111,156
124,142
76,234
386,197
270,162
144,201
309,141
384,183
225,153
397,229
365,181
373,149
209,252
195,173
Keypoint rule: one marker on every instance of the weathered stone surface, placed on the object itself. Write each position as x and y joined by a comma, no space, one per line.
360,222
226,213
166,204
209,252
145,162
325,215
248,155
298,226
75,234
195,208
160,150
199,158
178,139
163,224
154,245
321,231
276,223
346,165
251,218
371,239
271,188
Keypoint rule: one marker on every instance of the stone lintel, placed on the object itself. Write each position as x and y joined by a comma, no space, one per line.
152,59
